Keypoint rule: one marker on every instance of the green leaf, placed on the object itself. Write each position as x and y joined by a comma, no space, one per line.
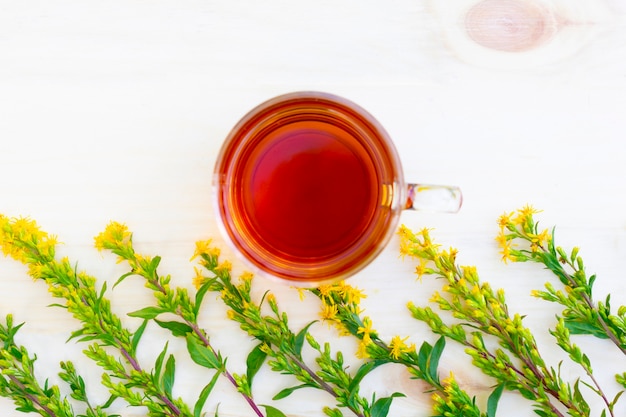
200,297
76,334
158,364
542,413
154,264
169,375
254,361
197,409
428,358
615,399
272,412
577,327
202,355
435,355
288,391
177,328
494,398
352,325
299,340
382,405
423,355
363,370
103,290
122,278
110,401
137,335
147,313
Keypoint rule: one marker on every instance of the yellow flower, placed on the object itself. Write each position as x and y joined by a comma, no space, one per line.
524,214
202,247
503,239
398,346
24,228
507,254
224,268
421,269
436,298
246,276
361,351
352,295
271,298
366,330
198,279
448,380
114,235
326,290
505,219
539,239
329,312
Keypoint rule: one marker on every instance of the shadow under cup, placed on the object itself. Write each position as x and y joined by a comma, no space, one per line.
308,188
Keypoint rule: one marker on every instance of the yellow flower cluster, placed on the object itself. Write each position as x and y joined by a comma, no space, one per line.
398,346
518,224
204,247
339,293
114,235
23,240
340,304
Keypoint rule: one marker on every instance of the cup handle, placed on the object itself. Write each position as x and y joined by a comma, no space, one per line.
434,198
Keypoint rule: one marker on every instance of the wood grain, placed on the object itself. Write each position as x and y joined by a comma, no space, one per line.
116,110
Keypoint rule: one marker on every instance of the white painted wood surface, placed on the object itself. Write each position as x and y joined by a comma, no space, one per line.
115,111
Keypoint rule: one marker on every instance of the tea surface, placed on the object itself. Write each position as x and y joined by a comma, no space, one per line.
309,190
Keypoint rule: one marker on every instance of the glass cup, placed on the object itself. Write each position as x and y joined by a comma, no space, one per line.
309,188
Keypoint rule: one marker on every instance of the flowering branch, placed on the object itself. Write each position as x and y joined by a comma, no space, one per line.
341,308
582,315
284,347
517,363
118,239
19,383
26,242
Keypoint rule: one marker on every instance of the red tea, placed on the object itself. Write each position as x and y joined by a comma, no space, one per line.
310,191
305,188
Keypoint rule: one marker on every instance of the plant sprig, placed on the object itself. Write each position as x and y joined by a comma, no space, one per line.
582,314
124,376
341,308
19,382
176,301
517,362
264,321
480,314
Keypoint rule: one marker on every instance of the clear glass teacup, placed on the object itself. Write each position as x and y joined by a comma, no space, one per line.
309,188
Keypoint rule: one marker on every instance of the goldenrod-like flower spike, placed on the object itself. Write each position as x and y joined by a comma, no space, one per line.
361,351
505,220
114,236
198,278
366,330
325,291
329,312
421,268
351,295
223,268
202,247
398,346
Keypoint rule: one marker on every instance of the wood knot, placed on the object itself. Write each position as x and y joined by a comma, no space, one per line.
509,25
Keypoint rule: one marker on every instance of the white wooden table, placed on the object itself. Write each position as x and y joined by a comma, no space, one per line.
116,110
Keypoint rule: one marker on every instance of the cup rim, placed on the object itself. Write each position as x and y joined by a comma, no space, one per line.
317,274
